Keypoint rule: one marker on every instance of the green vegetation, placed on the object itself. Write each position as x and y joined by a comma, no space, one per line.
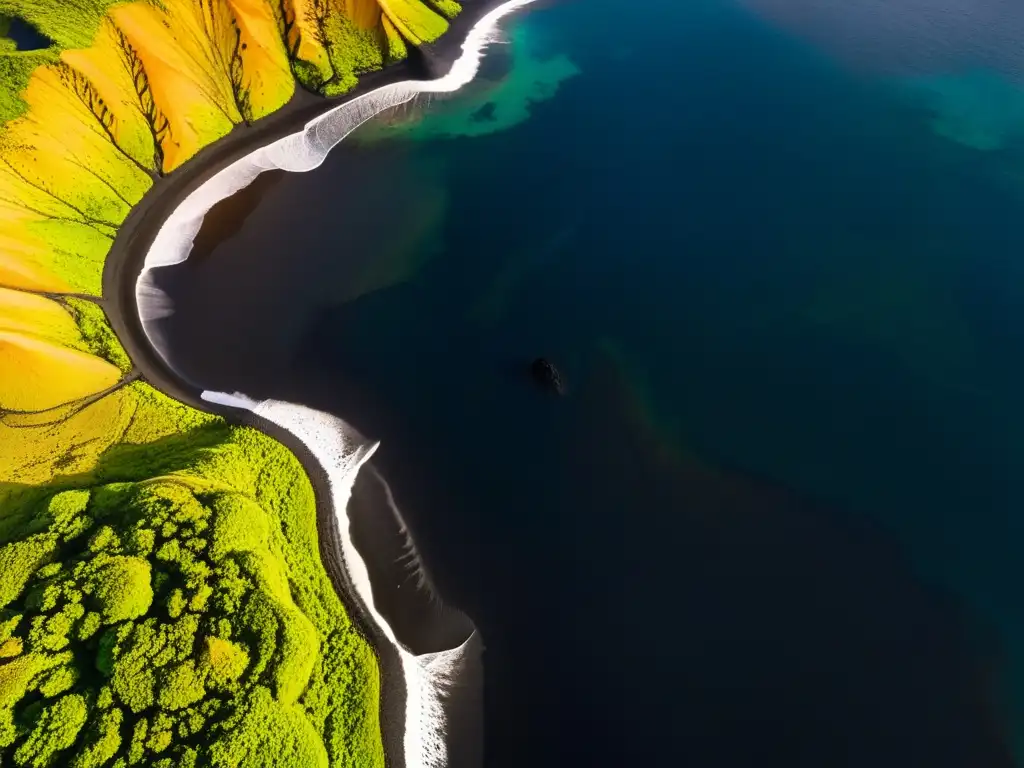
162,599
449,8
6,44
417,22
350,50
15,70
329,50
176,589
70,24
98,336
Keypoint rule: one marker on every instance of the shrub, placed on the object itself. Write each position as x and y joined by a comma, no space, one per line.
55,731
122,589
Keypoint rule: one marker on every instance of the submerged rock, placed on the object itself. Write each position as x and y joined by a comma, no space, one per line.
545,374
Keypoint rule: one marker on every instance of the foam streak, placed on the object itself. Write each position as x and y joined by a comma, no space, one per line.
331,442
340,454
299,152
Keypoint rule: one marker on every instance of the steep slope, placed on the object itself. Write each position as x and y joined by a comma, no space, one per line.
162,598
89,126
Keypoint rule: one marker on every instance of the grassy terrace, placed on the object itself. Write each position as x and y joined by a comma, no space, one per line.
162,598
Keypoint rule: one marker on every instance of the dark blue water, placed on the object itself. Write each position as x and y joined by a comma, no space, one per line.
22,35
776,519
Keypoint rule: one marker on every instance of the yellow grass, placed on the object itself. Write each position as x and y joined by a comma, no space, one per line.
36,450
36,374
202,80
61,146
102,66
20,266
188,84
397,49
64,189
417,22
304,38
365,14
35,455
27,313
267,73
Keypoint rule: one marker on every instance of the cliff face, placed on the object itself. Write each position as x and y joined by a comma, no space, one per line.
162,599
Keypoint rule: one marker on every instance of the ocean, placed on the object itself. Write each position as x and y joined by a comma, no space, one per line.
775,249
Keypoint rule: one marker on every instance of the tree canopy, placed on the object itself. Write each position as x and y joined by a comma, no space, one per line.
157,616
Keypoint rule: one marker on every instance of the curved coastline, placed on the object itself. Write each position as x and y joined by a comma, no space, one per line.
424,676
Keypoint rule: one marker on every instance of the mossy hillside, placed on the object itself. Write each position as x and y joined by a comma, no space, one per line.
58,352
48,374
162,601
97,335
16,69
447,8
132,90
254,39
416,21
330,49
176,589
25,312
70,24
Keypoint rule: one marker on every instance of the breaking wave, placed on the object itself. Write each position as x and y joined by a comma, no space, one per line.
430,677
298,152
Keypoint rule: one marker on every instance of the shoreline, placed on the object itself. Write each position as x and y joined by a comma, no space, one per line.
430,679
125,271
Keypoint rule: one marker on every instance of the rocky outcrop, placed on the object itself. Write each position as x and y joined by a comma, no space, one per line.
547,376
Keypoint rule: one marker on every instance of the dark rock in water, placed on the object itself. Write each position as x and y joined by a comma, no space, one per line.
545,374
484,114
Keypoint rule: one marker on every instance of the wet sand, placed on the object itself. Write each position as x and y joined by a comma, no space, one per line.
433,624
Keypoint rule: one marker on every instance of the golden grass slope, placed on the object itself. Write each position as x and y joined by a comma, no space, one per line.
201,69
92,124
36,450
27,313
40,374
416,21
45,360
128,93
251,560
331,42
23,263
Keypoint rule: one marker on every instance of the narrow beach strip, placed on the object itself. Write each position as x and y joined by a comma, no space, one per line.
298,152
434,682
429,676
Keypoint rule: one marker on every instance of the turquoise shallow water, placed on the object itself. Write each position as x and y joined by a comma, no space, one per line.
775,247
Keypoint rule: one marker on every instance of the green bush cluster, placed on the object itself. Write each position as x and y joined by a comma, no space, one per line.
353,51
97,334
162,599
447,8
6,44
172,611
16,67
70,24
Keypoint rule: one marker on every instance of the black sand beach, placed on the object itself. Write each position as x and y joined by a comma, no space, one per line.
421,622
773,522
700,556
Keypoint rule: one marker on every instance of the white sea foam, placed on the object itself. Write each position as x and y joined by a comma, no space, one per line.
298,152
427,676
